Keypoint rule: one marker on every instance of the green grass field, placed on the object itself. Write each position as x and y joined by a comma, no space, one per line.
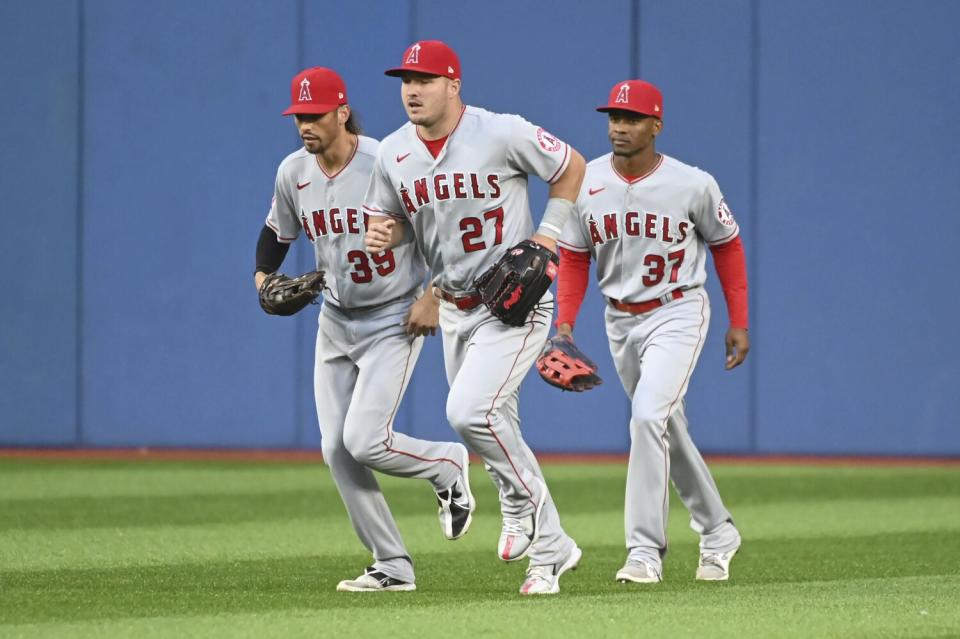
239,549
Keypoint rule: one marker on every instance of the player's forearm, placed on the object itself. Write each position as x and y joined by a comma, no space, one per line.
572,283
270,254
560,206
730,262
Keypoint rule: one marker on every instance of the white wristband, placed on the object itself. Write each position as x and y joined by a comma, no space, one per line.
555,216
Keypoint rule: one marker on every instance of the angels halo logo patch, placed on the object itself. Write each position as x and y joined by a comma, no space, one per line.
724,214
548,141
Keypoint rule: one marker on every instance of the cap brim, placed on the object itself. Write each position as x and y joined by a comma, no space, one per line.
313,109
607,108
399,71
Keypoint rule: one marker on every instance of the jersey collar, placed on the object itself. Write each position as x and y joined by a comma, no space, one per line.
639,177
446,145
316,159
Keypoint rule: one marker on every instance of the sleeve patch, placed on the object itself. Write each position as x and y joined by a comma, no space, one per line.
724,214
548,141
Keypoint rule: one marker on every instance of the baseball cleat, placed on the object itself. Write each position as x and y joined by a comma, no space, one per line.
639,572
457,503
519,534
372,580
715,566
545,580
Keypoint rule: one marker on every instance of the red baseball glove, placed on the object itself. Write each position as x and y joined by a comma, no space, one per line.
563,365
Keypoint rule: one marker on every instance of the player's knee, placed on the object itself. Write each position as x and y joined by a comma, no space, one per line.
461,415
360,446
648,413
333,453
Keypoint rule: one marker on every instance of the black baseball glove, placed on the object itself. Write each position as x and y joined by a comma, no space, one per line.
563,365
280,295
513,286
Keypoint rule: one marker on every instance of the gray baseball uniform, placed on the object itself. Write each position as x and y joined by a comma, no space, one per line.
647,237
467,206
364,358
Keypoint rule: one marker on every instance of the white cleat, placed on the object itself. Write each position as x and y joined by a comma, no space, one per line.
372,580
715,566
519,534
639,572
456,504
545,580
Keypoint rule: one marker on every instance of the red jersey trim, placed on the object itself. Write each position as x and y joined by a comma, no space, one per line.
280,238
416,130
725,240
638,178
573,247
342,168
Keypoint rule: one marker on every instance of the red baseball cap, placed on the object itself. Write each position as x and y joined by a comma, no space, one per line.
637,96
318,90
429,56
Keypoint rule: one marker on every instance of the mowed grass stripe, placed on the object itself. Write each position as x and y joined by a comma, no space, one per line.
243,496
272,564
154,479
32,479
329,533
900,607
234,586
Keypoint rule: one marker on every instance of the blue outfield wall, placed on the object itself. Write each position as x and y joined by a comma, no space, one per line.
138,163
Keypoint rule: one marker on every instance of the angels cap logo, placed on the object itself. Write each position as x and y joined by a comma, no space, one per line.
624,96
340,94
305,91
414,57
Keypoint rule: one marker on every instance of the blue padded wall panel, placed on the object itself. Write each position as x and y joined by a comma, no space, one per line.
183,140
859,179
40,65
140,154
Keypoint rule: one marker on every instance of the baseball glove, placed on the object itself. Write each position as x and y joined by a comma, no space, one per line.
563,365
513,286
280,295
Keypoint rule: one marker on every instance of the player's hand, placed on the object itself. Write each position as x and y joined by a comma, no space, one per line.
738,345
424,316
565,329
379,236
258,278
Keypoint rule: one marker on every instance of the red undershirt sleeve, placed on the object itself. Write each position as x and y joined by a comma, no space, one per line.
571,285
731,264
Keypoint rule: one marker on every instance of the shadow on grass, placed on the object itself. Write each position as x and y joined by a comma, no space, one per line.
573,495
307,582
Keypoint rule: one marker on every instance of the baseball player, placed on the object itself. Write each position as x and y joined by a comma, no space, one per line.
366,347
456,177
646,219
